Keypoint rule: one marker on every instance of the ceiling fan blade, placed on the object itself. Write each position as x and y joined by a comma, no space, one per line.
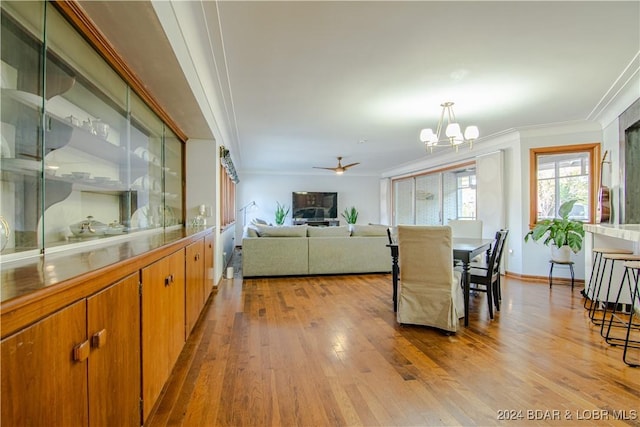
329,169
350,165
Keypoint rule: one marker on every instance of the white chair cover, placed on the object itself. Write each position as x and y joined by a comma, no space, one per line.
429,291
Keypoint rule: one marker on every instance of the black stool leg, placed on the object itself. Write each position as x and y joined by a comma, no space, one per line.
572,276
592,281
551,275
596,293
634,300
591,292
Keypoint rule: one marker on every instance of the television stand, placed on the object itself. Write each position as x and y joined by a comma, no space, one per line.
317,222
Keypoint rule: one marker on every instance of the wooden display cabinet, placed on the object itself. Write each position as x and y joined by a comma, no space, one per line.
163,324
209,255
195,287
78,366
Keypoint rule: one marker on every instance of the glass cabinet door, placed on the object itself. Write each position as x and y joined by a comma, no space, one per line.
147,188
22,86
173,154
86,141
83,157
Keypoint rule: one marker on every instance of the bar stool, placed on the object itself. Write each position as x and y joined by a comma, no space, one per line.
593,309
630,277
589,291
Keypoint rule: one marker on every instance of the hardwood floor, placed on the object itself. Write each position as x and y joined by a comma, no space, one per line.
317,351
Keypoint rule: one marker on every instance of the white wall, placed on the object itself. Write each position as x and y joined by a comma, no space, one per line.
363,192
203,188
534,255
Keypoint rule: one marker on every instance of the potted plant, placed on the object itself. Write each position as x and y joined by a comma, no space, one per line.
562,233
281,213
350,215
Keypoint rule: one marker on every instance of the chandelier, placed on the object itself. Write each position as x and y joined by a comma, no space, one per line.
453,134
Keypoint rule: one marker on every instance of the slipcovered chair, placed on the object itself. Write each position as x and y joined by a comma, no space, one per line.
429,291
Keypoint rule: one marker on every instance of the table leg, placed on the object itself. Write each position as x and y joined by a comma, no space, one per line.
394,270
466,279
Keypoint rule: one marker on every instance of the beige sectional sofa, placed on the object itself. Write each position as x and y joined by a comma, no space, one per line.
303,250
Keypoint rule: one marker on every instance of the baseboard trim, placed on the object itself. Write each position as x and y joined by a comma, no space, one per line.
544,279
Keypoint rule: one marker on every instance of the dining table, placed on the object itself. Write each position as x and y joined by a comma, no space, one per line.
464,250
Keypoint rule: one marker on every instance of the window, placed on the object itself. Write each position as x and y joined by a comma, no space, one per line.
227,199
560,174
436,197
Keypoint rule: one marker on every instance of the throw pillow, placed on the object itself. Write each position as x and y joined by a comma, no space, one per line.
368,230
282,231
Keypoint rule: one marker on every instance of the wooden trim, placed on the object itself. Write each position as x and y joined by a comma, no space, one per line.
545,279
76,15
594,168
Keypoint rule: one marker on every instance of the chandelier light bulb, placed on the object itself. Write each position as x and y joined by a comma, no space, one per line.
426,135
453,131
471,133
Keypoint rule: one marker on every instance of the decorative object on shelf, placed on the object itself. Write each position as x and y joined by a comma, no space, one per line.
5,232
115,228
73,120
88,228
559,232
339,170
281,213
201,219
101,128
453,132
227,164
350,215
88,126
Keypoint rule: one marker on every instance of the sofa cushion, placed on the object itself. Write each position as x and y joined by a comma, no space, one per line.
282,231
342,231
366,254
368,230
251,231
258,221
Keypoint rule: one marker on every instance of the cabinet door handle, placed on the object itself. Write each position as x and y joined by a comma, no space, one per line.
168,280
99,339
197,257
81,351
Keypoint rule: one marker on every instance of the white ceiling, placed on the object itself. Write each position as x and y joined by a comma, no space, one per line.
292,85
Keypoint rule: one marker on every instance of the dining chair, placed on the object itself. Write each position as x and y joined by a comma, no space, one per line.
429,288
486,278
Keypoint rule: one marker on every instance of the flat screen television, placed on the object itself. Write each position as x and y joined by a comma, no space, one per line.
314,205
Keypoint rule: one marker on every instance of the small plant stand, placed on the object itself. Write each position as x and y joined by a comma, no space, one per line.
554,262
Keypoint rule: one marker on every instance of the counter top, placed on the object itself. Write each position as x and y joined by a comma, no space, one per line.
629,232
35,287
35,274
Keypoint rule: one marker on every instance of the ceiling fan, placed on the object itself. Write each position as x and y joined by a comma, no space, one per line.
339,170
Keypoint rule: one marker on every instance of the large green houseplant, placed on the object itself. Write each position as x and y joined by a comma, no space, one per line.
281,213
561,231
